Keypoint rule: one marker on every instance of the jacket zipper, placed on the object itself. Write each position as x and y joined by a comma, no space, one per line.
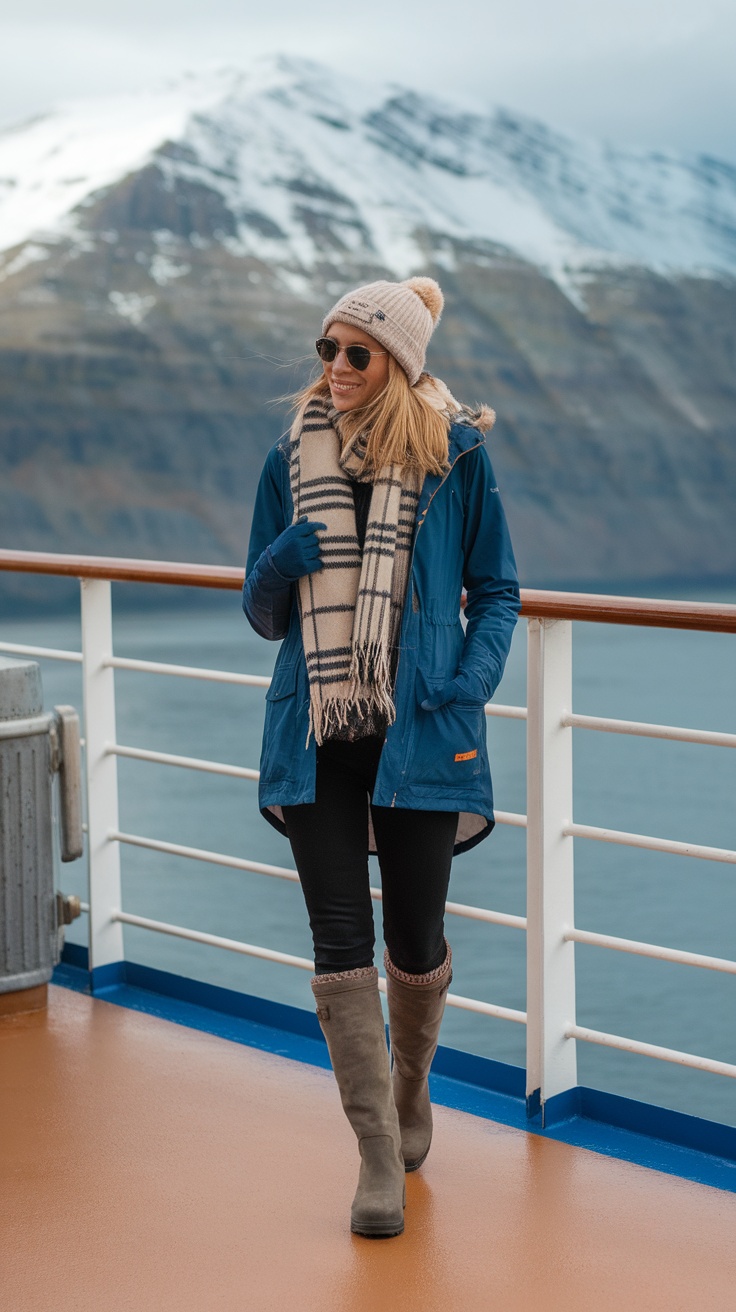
459,456
413,549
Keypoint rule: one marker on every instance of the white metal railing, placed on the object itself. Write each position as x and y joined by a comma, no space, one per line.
285,872
649,950
550,1018
187,672
650,1050
48,653
186,762
651,844
641,730
303,963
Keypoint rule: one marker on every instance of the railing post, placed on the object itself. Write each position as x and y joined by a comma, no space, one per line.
105,933
551,1058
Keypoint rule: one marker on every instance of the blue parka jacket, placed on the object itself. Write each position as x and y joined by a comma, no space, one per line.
431,760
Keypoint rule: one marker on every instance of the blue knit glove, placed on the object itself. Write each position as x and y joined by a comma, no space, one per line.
296,551
459,689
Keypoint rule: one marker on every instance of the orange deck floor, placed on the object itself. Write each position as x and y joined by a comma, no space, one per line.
146,1166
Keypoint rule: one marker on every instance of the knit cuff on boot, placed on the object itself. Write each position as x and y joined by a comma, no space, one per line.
431,977
337,982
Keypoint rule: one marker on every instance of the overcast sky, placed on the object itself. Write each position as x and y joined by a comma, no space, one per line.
648,72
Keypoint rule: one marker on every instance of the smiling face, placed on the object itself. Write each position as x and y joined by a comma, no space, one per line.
351,388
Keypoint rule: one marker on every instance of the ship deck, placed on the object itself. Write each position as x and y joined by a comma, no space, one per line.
149,1165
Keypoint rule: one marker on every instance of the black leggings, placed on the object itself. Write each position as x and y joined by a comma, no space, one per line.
329,839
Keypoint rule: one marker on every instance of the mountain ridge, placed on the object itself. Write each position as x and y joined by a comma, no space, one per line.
175,266
559,200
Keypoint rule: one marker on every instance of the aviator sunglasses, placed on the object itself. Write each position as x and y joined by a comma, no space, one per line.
359,357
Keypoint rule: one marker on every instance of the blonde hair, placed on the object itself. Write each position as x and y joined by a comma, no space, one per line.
401,426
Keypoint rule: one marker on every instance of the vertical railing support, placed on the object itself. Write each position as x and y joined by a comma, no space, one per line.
551,1057
105,933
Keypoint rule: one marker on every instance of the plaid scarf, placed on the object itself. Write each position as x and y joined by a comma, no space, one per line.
350,609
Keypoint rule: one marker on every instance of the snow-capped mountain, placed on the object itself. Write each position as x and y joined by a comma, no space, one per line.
308,163
166,259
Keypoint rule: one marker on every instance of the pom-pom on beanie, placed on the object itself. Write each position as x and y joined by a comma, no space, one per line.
400,315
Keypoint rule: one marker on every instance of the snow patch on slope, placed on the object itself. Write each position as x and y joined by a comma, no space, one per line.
314,167
55,163
29,254
131,305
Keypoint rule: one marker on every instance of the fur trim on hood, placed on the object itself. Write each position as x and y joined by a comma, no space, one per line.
440,397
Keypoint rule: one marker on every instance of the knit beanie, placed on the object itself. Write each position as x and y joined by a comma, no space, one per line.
400,315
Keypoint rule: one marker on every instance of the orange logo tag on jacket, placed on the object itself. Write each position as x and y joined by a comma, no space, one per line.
466,756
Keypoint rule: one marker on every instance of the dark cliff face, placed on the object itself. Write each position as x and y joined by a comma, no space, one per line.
137,378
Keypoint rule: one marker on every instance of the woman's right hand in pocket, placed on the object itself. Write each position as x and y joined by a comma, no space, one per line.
296,551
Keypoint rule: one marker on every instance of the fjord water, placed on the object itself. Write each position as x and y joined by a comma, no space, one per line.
674,790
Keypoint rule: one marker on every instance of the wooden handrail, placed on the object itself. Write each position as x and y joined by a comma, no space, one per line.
646,612
123,570
589,606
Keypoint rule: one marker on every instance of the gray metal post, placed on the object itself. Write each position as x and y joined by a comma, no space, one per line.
31,746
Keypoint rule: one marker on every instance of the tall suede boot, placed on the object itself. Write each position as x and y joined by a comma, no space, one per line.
349,1012
415,1007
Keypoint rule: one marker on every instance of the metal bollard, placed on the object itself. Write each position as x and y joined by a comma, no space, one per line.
34,746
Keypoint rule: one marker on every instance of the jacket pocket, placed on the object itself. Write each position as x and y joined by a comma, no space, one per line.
278,758
283,683
450,743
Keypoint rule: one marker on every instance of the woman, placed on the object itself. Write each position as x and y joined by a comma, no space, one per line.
368,521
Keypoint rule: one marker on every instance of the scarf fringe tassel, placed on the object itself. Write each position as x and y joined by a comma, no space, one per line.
370,676
369,691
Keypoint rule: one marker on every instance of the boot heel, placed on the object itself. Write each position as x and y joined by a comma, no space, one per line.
378,1206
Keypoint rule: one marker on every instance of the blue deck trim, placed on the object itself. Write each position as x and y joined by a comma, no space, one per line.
646,1135
75,954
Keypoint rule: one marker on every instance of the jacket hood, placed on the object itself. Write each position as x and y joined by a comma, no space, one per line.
440,397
